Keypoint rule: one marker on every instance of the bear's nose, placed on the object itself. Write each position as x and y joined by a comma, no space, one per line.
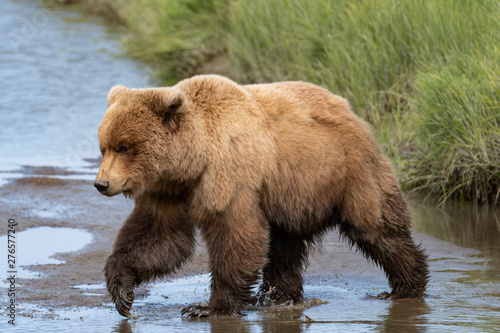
101,185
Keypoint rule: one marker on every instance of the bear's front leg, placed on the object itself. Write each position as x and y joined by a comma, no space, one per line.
120,283
238,243
148,246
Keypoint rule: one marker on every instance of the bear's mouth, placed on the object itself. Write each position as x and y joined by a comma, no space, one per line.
127,192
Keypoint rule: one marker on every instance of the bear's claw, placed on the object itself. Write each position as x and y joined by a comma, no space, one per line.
196,311
124,302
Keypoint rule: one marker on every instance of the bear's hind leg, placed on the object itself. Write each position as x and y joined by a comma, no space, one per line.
282,276
145,249
403,262
390,245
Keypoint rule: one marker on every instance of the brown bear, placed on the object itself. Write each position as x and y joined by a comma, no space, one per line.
263,171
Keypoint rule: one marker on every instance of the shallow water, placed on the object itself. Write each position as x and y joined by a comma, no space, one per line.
36,246
472,299
56,69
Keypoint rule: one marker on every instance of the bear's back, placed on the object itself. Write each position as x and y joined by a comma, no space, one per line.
301,100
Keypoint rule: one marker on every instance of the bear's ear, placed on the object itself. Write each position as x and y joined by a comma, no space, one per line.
170,108
175,103
115,92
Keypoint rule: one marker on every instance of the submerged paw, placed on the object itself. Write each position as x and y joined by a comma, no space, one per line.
197,311
384,296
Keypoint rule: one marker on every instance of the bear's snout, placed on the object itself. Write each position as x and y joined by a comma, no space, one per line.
101,185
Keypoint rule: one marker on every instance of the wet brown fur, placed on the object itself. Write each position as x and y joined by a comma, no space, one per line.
263,171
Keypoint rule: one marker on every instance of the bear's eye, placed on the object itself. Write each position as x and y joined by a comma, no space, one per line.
123,149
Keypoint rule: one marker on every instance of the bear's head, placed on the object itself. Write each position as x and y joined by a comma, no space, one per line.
148,137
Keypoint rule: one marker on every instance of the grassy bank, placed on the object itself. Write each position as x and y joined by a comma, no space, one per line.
456,112
424,73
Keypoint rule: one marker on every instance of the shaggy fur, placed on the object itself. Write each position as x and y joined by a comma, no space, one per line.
263,171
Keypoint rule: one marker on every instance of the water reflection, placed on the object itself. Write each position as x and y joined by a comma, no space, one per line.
123,327
401,316
406,316
463,224
283,320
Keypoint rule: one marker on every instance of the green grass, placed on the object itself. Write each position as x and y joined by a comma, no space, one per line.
457,135
425,73
368,51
